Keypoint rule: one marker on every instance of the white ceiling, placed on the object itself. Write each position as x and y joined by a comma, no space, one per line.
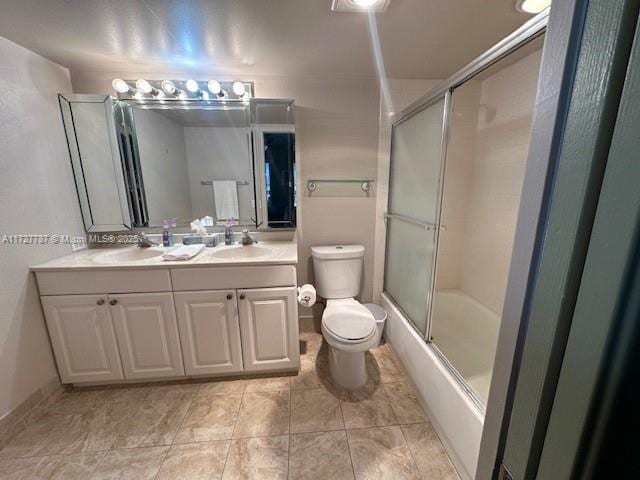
419,38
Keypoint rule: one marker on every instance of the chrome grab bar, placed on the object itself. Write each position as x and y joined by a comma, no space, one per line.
414,221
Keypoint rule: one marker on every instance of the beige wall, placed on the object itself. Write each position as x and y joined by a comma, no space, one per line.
483,181
37,195
336,136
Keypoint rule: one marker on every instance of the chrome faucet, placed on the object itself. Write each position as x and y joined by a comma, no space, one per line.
145,242
247,239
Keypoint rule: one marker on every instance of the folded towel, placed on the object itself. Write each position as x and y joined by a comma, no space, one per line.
225,193
183,252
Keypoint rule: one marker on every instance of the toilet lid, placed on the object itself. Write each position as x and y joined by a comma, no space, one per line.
349,319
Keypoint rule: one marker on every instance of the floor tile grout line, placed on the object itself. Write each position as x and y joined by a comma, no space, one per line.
289,432
413,459
235,423
353,466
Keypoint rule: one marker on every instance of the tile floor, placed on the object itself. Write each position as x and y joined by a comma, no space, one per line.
295,427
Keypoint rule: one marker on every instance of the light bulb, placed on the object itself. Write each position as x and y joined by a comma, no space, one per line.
120,85
182,95
143,85
532,6
205,95
214,87
159,94
365,3
192,85
169,87
239,88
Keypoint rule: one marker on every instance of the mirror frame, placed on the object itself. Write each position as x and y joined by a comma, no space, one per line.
65,101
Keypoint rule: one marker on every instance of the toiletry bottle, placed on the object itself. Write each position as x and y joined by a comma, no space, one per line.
228,232
166,239
172,224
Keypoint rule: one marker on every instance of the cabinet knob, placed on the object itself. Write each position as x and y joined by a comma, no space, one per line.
229,296
113,302
242,296
100,302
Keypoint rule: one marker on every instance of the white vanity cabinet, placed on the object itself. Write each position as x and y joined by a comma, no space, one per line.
109,326
147,334
268,320
209,331
83,338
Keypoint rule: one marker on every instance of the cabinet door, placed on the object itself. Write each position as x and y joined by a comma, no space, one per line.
269,326
209,331
147,334
83,339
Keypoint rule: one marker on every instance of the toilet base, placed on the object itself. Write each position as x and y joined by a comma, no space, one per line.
348,369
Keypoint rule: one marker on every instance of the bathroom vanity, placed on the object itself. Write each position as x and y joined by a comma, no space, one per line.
125,315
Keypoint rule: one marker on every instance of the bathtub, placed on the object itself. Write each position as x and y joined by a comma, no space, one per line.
466,332
452,411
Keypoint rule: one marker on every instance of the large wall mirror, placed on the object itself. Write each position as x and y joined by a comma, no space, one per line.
138,164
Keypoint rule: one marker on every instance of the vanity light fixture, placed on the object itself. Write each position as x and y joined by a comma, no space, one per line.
532,6
120,85
214,87
192,85
184,90
168,86
239,88
143,86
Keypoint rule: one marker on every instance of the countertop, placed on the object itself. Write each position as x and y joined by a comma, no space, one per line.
279,253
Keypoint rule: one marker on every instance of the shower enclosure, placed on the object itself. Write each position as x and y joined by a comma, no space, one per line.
456,173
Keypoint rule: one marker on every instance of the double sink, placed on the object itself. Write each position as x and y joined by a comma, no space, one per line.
151,254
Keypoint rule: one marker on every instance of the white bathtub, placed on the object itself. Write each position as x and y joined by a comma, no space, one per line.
454,415
466,332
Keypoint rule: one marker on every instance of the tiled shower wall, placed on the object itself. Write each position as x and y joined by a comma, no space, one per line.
483,180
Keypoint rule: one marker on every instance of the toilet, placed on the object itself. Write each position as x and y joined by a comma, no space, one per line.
348,326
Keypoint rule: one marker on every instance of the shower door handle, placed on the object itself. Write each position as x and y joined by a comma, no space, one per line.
414,221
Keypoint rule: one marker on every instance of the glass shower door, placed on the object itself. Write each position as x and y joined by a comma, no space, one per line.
412,218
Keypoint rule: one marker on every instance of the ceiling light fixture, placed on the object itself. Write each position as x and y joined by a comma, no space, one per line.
531,6
238,88
120,85
143,86
192,85
359,6
365,3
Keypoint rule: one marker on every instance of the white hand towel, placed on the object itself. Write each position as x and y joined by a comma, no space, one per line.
225,194
183,252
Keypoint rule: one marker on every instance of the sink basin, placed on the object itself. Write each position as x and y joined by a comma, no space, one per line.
237,253
129,255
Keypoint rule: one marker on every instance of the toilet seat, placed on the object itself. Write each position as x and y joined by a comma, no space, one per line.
348,325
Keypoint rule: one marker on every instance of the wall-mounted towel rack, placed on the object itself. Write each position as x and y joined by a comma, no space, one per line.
314,184
210,182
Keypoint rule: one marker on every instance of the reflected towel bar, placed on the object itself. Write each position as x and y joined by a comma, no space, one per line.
210,182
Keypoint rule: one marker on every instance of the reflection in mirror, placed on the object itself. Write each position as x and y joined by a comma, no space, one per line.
275,166
275,161
194,161
89,126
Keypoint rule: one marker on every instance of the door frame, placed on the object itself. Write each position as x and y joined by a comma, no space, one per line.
584,65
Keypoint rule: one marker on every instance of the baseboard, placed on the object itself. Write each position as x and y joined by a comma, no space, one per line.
13,422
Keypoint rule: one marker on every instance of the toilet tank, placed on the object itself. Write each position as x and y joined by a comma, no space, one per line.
338,270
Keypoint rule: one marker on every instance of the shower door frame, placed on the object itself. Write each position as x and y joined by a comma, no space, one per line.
436,227
531,30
